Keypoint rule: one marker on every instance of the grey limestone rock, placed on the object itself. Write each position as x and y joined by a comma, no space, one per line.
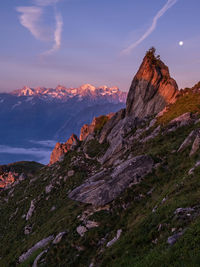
114,240
151,90
106,186
43,243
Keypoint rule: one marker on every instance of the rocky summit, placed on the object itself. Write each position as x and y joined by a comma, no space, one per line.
152,88
126,193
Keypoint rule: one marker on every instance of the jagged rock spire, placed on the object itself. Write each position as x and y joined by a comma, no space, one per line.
152,88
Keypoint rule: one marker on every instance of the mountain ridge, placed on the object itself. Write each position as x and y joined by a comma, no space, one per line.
126,194
63,93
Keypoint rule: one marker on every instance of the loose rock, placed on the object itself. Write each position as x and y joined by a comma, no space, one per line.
111,242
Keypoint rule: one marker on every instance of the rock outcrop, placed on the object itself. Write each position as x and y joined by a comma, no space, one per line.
105,186
42,243
114,240
193,140
14,173
118,116
151,91
152,88
196,144
7,179
97,124
117,140
61,149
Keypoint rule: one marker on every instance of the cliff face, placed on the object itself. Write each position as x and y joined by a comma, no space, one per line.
152,88
61,149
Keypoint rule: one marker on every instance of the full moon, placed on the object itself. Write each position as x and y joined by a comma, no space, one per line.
181,43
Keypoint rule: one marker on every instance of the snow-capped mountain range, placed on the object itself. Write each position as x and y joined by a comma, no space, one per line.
111,94
41,114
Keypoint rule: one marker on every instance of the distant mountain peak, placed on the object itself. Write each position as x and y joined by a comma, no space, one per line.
27,91
88,86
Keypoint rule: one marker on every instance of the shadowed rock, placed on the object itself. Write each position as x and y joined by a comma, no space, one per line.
118,116
105,186
117,139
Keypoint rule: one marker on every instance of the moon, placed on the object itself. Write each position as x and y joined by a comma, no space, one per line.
181,43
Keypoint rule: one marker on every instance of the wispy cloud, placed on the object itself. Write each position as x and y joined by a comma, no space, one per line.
160,13
42,155
45,143
57,35
46,2
31,18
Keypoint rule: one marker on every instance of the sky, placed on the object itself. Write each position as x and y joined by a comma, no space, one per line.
73,42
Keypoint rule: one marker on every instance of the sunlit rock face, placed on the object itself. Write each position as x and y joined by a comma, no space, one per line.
61,149
152,88
7,179
97,123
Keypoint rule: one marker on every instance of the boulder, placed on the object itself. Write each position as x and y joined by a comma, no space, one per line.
183,210
35,263
91,224
187,141
81,230
70,173
152,135
172,239
106,186
114,240
182,120
43,243
191,171
31,209
58,238
196,144
48,188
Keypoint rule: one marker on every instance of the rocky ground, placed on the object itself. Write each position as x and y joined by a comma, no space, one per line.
126,194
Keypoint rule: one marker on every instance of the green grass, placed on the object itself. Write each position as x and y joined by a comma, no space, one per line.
189,102
100,122
95,149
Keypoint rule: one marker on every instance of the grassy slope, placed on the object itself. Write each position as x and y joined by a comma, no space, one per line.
189,102
138,223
